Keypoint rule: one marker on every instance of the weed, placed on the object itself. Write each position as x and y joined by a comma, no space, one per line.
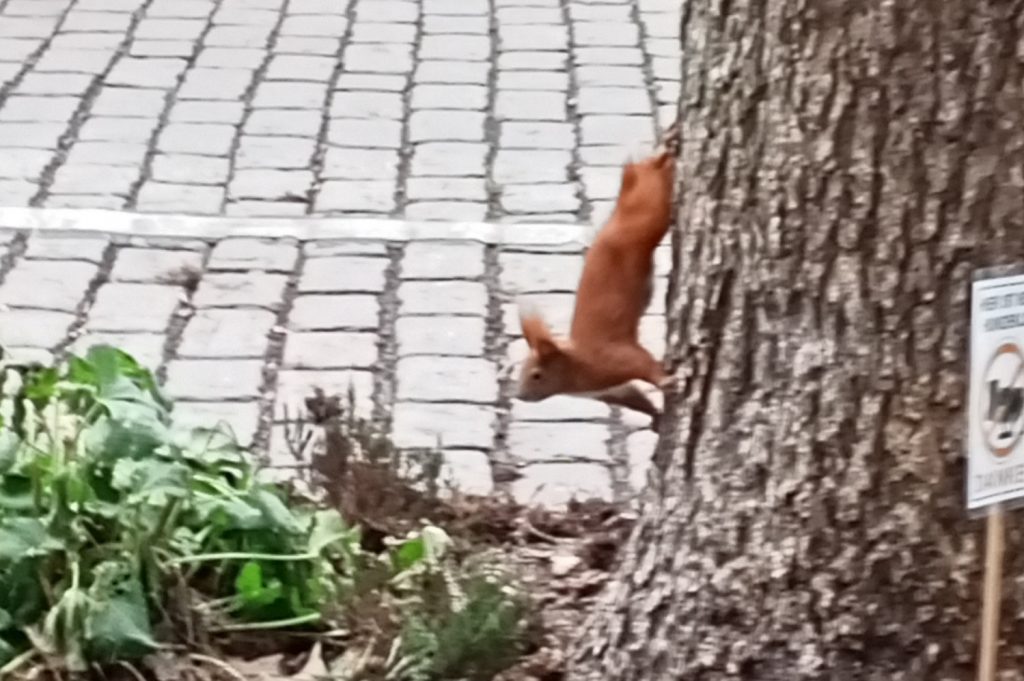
103,502
121,532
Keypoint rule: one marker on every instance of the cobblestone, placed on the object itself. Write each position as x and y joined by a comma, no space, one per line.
214,380
367,104
88,178
23,108
360,164
33,328
254,254
434,125
440,71
375,134
227,333
23,163
524,165
180,198
47,284
206,112
206,139
118,129
418,424
522,135
533,105
274,152
452,188
241,418
133,307
330,350
446,210
439,336
324,312
31,135
440,260
89,249
515,111
188,169
443,379
442,297
543,198
236,289
473,97
261,183
343,275
458,159
371,196
467,471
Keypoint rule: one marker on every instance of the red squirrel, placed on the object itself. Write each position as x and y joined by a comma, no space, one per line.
602,355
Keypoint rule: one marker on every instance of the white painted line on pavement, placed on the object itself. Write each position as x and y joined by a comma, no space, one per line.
302,229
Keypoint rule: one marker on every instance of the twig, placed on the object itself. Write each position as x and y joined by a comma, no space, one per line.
17,662
131,670
544,536
275,624
219,664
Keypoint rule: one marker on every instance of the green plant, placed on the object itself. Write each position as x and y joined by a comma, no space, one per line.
457,621
116,524
104,502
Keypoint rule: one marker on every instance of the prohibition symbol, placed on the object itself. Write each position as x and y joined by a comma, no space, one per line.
1002,399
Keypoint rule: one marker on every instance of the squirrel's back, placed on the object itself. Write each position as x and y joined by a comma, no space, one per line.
616,284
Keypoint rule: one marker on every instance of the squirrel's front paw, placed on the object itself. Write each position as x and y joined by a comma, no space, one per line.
668,383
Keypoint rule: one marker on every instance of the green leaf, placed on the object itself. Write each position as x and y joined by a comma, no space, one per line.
7,652
117,625
329,527
274,510
16,493
21,593
114,368
251,588
250,578
9,445
215,448
151,481
25,537
426,548
110,438
229,512
409,553
40,385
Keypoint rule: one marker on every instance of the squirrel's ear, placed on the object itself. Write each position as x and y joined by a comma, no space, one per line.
538,335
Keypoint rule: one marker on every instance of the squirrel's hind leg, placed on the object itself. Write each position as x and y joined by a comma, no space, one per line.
630,396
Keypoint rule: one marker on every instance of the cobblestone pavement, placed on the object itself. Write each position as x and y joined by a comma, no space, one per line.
507,110
421,321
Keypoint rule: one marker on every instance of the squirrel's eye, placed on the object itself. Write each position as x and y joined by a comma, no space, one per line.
535,375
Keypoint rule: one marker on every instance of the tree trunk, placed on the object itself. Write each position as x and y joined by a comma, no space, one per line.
846,164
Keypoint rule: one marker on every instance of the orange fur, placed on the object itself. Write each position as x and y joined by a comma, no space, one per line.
602,353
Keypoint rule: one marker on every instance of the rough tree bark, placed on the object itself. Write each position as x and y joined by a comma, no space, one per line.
845,165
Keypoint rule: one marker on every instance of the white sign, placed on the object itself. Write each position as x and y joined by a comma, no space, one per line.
995,419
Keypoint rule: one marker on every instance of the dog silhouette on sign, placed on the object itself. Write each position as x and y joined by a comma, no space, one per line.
1004,406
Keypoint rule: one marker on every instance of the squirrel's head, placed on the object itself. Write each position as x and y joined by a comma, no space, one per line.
647,187
545,370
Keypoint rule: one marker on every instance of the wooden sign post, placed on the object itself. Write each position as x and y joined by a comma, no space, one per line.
994,536
995,423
